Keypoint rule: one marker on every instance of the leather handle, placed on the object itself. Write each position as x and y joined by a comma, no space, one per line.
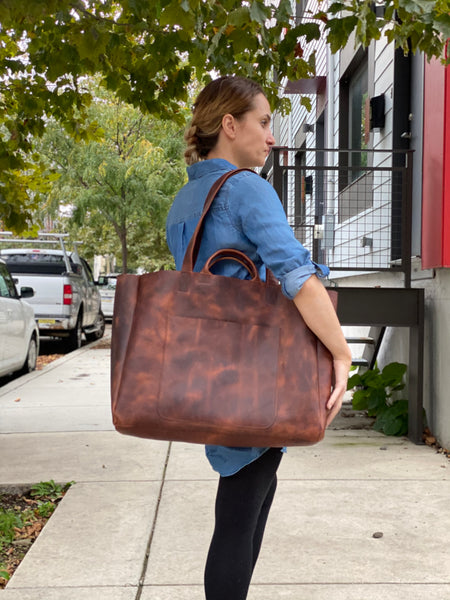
190,257
232,254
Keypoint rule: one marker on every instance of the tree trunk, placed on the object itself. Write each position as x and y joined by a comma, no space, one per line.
123,242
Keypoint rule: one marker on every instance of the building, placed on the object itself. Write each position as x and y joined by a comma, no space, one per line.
365,180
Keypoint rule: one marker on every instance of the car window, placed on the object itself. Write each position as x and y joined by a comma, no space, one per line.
88,272
36,262
7,287
33,257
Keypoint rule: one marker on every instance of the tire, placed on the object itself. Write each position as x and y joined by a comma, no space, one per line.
74,339
30,361
100,328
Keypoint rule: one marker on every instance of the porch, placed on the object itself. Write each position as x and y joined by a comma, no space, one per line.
352,210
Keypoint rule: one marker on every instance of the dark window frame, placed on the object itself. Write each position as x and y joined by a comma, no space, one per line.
355,194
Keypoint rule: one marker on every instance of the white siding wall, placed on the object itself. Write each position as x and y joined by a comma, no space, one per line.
374,222
437,289
299,115
348,233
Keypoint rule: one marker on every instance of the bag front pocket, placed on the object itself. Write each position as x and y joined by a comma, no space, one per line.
219,371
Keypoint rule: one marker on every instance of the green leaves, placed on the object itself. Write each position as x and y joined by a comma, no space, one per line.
22,518
340,29
120,183
376,393
148,53
179,13
260,12
49,490
410,24
394,419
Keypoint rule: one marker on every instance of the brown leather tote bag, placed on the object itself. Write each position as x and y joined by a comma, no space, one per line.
205,358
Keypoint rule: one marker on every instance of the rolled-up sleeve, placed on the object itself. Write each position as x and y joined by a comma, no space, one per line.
258,212
293,281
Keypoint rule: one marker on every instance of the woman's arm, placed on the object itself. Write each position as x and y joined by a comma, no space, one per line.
316,308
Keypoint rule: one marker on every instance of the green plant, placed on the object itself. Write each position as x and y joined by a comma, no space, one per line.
376,392
49,490
22,516
9,519
45,509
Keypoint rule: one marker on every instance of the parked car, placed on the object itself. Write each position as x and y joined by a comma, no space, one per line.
19,335
66,301
107,289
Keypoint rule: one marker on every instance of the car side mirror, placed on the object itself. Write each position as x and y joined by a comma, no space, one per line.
26,292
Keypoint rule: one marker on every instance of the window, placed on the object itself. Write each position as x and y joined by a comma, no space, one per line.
300,188
358,119
87,273
7,287
36,262
355,182
300,8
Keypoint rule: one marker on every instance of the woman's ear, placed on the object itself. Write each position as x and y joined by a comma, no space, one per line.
229,126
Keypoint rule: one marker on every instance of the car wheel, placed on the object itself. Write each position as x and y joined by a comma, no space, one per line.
99,328
30,361
74,340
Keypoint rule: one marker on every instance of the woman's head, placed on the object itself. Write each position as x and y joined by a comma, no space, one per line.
224,96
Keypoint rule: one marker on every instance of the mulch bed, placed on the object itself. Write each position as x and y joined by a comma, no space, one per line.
29,525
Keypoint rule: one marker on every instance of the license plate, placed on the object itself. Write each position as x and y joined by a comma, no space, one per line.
46,321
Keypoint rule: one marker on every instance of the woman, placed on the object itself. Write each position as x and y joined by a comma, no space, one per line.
231,128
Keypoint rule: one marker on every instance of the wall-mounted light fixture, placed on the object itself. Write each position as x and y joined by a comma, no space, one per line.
366,242
308,185
377,110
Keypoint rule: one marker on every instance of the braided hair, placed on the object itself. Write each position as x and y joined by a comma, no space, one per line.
225,95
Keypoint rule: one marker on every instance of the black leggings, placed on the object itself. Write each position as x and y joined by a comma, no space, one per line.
242,507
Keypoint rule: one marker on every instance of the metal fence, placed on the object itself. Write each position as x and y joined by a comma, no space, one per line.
351,209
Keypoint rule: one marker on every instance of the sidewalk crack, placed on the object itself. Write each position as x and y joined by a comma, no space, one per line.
152,532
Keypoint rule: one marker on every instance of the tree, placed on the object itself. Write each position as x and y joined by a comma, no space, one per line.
148,52
120,183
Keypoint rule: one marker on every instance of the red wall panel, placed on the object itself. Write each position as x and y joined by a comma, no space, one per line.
446,190
433,165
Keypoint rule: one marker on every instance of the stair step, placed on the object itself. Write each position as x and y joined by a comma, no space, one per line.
360,362
360,340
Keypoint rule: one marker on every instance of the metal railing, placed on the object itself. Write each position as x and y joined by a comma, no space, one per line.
350,208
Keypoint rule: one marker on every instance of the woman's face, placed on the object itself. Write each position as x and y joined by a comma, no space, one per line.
254,135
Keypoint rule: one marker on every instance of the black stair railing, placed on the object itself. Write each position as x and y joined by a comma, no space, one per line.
354,214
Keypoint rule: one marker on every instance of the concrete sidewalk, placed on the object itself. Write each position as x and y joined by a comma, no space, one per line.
138,521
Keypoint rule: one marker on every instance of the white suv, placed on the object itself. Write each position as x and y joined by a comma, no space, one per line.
19,335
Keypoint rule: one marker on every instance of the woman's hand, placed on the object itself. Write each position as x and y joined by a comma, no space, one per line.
341,370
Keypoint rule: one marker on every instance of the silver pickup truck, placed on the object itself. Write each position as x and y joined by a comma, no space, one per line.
66,301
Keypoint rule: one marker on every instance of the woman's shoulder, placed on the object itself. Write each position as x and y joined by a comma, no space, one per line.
248,181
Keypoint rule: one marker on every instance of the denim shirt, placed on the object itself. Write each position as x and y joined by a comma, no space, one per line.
246,215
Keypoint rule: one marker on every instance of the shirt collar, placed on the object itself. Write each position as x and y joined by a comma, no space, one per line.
209,166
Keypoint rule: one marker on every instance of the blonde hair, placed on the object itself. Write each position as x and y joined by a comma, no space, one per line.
226,95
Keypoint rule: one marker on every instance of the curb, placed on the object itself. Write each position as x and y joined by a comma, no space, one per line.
24,379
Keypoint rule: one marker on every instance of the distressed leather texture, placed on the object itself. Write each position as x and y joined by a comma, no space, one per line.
204,358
